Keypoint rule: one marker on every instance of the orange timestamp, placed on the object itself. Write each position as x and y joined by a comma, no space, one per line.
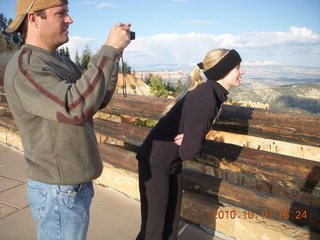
247,214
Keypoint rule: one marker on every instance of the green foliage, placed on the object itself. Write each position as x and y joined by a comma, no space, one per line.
125,68
147,80
15,37
3,22
64,51
157,87
77,59
86,56
169,86
288,98
142,122
179,87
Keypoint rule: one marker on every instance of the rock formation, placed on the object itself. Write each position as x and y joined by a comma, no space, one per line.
133,85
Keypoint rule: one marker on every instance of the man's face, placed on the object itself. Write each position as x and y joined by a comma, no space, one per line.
54,28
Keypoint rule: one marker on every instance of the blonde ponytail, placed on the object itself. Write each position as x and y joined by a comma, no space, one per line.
195,79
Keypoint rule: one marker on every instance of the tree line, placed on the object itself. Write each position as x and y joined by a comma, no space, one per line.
160,88
15,37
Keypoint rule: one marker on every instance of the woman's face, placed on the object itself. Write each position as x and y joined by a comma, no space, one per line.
232,79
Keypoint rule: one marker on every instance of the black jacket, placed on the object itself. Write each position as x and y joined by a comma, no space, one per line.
193,116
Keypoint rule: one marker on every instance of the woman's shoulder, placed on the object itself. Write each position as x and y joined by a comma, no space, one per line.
201,92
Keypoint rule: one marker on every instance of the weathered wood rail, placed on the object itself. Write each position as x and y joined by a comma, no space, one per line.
251,179
289,127
270,185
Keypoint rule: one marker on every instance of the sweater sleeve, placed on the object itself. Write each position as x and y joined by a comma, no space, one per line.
111,87
43,92
199,113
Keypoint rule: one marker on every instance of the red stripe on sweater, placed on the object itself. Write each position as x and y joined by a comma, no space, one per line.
78,120
55,98
92,85
34,83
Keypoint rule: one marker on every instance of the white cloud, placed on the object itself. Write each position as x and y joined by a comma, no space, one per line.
79,44
105,4
302,34
256,47
316,50
293,36
297,46
261,63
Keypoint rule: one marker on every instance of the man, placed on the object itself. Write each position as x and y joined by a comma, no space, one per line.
53,103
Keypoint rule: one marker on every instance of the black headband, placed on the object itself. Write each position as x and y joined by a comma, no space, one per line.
223,67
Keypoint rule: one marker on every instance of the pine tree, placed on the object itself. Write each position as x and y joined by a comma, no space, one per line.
64,51
179,87
86,56
169,86
157,87
126,69
67,53
77,59
15,37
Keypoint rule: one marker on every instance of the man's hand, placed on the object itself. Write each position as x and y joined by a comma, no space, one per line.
178,139
119,36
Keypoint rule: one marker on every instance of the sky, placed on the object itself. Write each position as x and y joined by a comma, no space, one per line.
176,34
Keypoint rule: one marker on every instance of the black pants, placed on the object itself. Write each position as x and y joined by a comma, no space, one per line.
160,195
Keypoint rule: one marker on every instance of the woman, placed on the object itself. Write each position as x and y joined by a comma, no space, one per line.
178,136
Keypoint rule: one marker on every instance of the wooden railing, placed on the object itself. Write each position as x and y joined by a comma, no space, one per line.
270,185
255,180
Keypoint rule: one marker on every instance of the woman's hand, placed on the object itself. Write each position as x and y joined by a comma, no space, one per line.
178,139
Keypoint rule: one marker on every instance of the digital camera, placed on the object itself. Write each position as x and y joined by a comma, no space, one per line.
132,35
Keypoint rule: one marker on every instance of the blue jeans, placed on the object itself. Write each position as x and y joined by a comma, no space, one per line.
61,211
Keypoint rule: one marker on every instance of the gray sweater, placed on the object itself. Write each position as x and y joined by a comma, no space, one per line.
52,103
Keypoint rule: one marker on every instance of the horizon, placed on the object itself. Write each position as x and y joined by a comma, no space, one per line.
265,33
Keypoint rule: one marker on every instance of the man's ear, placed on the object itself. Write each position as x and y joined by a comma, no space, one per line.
32,20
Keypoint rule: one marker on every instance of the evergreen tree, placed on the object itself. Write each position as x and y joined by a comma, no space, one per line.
169,86
157,87
77,59
86,56
3,23
126,69
148,79
179,87
67,53
64,51
15,37
61,51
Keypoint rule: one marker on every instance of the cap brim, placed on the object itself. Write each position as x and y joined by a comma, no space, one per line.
16,23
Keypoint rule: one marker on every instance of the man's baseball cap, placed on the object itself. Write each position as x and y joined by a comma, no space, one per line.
26,6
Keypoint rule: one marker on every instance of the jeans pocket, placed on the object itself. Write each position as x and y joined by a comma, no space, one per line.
69,194
75,194
37,200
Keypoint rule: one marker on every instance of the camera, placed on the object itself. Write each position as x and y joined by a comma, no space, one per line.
132,35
